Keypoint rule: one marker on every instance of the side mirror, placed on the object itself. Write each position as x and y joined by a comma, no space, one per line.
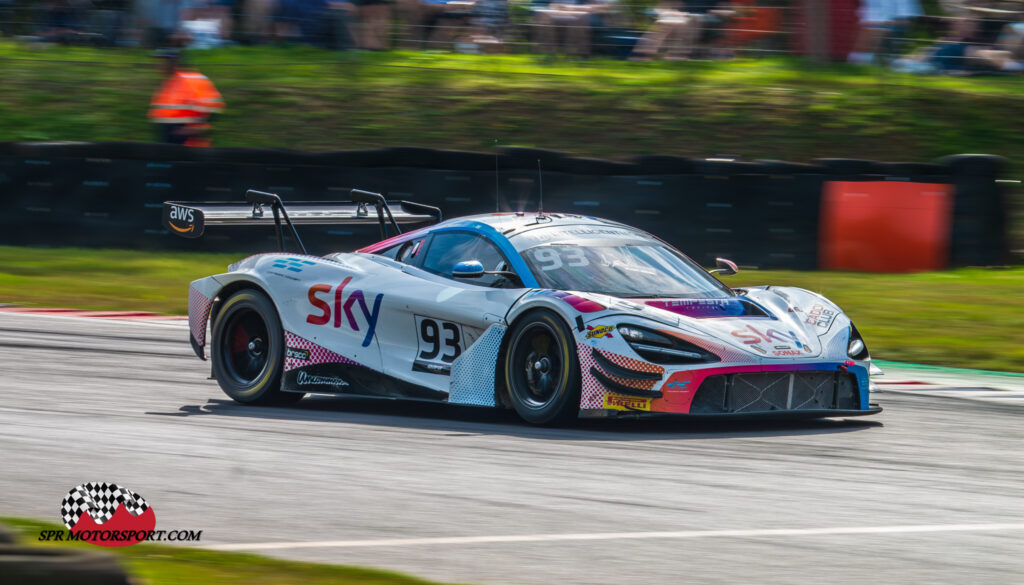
725,267
468,269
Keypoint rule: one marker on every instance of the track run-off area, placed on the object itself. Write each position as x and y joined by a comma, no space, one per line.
929,491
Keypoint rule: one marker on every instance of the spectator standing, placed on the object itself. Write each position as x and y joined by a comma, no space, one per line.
256,20
979,41
490,18
185,104
160,21
1011,39
572,20
712,19
674,31
108,19
374,22
208,23
60,22
879,18
341,18
447,20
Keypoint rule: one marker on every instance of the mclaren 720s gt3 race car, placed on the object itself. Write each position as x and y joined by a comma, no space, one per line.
554,315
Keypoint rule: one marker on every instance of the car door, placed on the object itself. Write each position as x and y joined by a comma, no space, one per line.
434,318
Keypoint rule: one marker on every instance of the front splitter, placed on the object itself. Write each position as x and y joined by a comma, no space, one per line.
764,415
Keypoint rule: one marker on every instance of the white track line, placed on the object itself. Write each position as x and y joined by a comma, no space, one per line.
749,533
155,322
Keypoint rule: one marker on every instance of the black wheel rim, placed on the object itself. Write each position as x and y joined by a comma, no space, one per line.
246,346
537,365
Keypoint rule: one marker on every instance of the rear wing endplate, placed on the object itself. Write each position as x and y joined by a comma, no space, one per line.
190,220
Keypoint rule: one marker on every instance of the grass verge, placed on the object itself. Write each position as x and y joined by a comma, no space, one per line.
970,318
154,564
104,279
307,98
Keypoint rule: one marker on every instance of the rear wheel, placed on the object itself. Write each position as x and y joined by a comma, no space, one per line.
248,350
542,372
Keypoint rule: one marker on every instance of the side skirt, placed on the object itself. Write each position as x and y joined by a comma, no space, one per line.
354,380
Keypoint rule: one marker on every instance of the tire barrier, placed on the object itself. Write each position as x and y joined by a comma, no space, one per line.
764,213
59,566
6,536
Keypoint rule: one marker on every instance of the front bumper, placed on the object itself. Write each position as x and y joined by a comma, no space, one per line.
777,415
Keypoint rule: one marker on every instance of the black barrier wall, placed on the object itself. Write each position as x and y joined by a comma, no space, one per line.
761,213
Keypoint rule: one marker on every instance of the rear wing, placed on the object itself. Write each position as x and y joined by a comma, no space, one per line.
190,220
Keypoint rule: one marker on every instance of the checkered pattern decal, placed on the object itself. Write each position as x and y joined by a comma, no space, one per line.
593,392
317,354
473,371
198,314
100,501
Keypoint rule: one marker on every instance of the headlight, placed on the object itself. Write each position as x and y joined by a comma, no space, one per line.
857,350
638,335
663,349
856,346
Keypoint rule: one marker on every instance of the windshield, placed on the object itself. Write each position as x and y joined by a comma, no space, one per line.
645,269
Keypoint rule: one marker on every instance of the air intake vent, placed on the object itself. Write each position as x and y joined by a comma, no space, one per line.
776,391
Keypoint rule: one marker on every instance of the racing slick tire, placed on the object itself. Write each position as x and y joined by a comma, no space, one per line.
248,350
542,371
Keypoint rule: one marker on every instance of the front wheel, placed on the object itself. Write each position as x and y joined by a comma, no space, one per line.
542,372
248,350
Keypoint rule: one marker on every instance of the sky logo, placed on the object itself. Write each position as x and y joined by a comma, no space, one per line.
292,264
678,384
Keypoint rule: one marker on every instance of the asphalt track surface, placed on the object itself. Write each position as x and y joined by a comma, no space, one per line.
930,491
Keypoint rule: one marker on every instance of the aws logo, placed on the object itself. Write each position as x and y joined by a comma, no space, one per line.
342,308
183,214
185,221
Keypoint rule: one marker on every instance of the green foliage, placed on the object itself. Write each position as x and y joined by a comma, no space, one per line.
104,279
306,98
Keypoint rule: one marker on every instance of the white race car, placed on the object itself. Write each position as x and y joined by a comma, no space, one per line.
555,315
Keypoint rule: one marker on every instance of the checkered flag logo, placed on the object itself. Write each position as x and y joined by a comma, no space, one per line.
100,501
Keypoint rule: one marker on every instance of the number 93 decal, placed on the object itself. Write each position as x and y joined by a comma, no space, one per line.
550,258
439,344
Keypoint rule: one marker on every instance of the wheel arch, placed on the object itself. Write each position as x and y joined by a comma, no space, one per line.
206,298
520,313
234,286
267,382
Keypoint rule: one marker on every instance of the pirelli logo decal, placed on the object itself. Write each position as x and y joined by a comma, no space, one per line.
619,402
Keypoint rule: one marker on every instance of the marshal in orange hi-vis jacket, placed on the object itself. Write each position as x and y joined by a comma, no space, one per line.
183,106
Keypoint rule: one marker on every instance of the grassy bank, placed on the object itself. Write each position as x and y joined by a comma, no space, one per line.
970,318
307,98
153,564
104,279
